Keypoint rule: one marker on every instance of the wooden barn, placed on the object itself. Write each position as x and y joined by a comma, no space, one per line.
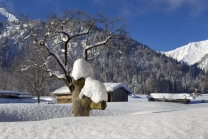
117,92
62,95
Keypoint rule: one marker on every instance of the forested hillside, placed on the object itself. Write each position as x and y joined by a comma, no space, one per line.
139,67
145,71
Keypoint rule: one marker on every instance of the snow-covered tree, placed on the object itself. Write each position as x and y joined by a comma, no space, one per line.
60,40
88,93
59,36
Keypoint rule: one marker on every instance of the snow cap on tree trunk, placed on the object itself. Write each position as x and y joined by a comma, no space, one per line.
82,69
94,89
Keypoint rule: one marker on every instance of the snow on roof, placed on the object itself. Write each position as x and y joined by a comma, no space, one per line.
171,96
113,86
110,87
82,69
62,90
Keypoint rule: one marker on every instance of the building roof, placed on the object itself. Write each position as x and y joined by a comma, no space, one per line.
113,86
62,90
171,96
110,87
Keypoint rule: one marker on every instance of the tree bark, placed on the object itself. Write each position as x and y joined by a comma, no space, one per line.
38,98
80,107
83,106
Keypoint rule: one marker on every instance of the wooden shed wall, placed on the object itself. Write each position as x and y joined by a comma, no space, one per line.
118,95
62,98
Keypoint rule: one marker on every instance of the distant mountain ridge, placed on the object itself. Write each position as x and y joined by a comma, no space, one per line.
192,53
139,67
8,49
10,17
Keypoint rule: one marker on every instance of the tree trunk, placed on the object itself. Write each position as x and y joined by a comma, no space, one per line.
80,107
38,96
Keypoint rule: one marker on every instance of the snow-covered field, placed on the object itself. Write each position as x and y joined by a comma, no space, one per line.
135,119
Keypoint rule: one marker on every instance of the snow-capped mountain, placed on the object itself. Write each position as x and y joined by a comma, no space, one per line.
8,49
203,64
10,17
192,53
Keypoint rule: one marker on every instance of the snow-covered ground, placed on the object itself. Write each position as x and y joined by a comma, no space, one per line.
135,119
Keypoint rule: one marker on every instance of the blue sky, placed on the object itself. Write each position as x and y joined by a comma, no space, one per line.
163,25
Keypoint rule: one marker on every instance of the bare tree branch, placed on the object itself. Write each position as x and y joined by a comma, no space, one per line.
60,36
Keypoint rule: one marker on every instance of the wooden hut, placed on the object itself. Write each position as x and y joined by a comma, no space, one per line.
62,95
117,92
